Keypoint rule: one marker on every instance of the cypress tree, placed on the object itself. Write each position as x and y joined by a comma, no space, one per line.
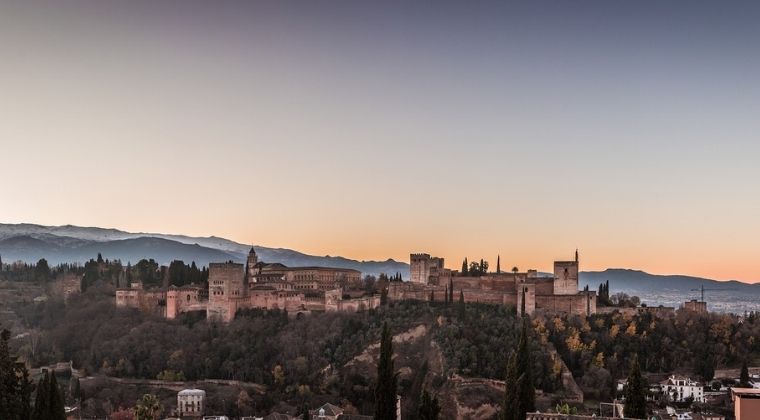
42,401
460,306
509,407
432,296
26,387
498,264
8,380
451,290
526,392
635,393
446,295
464,267
429,407
385,390
744,376
57,406
522,303
305,415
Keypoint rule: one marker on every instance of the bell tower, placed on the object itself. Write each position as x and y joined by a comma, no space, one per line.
250,266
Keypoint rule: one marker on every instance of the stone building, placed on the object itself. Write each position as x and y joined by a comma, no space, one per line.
135,296
557,294
190,402
185,299
423,266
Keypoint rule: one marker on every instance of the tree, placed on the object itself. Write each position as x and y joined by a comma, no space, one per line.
451,290
385,389
429,407
464,268
42,270
498,264
744,376
635,393
509,407
57,405
305,413
522,302
15,386
148,408
520,394
526,392
460,306
49,402
384,296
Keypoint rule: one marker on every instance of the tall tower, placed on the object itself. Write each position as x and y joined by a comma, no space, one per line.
566,277
250,271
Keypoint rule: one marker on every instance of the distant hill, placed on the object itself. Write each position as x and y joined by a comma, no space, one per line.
635,280
62,244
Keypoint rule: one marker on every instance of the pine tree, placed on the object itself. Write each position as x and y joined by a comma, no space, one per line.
744,376
464,267
385,389
635,393
429,407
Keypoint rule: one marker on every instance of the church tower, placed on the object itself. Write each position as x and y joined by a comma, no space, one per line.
250,266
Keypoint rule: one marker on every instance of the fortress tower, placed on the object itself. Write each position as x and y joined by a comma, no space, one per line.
226,287
421,266
250,267
566,277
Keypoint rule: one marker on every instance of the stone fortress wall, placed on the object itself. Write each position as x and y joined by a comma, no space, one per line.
556,294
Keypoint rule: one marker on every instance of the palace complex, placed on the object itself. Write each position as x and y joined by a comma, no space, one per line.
258,285
255,285
557,293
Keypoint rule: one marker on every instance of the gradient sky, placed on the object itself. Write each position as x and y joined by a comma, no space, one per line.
630,130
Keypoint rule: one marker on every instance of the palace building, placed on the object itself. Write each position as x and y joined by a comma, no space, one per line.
255,285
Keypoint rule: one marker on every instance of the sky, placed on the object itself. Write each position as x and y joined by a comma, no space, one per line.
629,130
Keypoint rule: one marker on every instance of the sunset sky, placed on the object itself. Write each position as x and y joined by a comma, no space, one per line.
630,130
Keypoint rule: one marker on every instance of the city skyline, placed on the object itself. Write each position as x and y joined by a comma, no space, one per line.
521,130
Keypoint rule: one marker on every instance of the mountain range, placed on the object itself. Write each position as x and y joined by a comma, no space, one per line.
64,244
74,244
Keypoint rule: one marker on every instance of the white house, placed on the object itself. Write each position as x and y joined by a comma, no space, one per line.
190,402
681,388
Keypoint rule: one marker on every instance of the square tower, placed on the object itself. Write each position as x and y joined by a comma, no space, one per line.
566,277
421,265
